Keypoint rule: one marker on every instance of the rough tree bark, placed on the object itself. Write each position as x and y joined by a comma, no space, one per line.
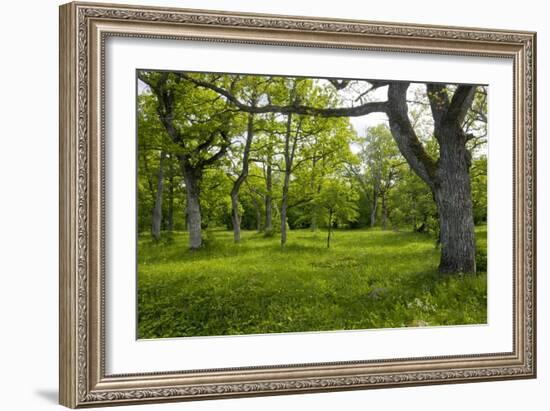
453,194
449,177
235,216
454,203
157,209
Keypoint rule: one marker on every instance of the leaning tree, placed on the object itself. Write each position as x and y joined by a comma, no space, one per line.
447,176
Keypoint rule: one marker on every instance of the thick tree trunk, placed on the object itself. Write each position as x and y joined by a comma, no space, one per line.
268,198
192,179
157,209
448,177
454,203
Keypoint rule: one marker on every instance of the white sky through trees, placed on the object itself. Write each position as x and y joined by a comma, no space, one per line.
356,94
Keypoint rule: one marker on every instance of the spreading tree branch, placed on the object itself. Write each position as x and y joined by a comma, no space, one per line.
461,103
410,146
294,108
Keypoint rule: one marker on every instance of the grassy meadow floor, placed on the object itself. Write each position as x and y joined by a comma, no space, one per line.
367,279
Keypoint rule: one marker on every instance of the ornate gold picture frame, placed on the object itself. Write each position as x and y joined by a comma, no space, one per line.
84,30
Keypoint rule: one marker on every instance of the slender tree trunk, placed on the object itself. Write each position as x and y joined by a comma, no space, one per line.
329,227
170,216
157,209
150,183
235,216
313,223
384,213
258,214
289,156
192,179
454,203
284,206
268,197
374,208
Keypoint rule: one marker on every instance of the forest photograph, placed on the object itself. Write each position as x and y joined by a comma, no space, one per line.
277,204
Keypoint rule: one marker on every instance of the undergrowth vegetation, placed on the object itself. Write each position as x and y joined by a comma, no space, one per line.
367,279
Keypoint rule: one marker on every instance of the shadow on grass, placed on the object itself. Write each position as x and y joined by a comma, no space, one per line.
219,244
368,279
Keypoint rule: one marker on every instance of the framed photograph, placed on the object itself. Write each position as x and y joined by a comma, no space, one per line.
259,204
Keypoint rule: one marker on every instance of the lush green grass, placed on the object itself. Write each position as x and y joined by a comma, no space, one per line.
367,279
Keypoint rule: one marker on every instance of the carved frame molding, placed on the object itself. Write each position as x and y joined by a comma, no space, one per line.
83,30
